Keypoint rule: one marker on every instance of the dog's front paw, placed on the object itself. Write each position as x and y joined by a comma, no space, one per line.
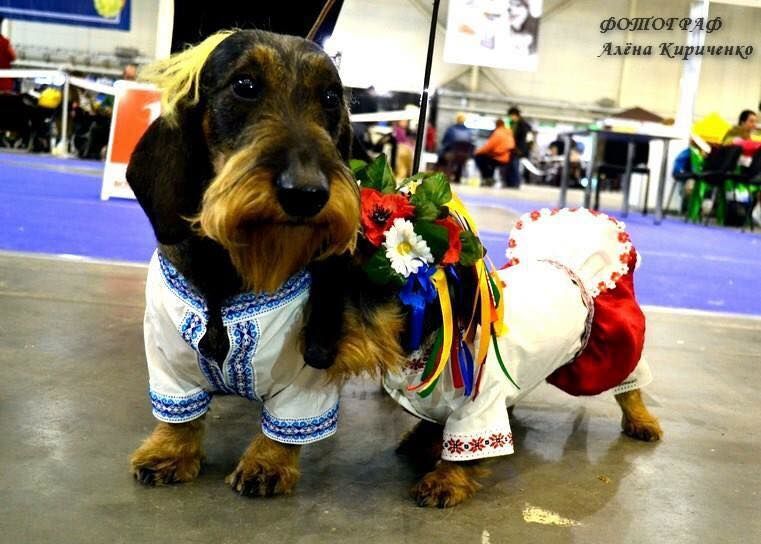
648,430
157,468
447,485
254,479
171,454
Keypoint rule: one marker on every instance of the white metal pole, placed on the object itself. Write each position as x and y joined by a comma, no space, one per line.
65,117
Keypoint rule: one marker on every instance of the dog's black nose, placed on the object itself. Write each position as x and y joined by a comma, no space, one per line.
302,194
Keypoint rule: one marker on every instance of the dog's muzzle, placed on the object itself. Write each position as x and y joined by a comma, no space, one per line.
302,192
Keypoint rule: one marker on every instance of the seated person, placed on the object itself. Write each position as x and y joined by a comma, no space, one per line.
456,148
495,152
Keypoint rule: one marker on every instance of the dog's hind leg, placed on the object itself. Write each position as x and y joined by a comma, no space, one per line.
171,454
637,421
267,468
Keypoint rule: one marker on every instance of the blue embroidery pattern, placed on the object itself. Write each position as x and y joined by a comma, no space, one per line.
300,431
180,287
192,330
179,409
213,374
245,305
244,338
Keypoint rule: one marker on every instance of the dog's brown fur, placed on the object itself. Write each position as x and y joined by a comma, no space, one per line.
240,210
370,343
636,421
171,454
266,468
448,484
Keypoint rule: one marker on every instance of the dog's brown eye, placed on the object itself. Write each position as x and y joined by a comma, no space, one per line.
331,98
245,88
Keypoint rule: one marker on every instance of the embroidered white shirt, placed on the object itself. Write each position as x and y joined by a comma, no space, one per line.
547,312
263,363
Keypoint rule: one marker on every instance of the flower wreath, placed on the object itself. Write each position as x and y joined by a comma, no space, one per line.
417,237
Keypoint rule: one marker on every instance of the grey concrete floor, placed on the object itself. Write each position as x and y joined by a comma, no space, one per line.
73,405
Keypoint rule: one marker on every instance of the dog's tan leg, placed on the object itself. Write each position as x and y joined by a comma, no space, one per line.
267,468
636,421
448,484
171,454
422,444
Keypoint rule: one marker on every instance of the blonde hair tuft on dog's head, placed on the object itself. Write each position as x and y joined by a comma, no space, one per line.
178,76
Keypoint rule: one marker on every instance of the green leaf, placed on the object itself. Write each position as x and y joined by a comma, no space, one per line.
377,175
432,193
436,236
436,189
425,210
471,249
379,271
356,165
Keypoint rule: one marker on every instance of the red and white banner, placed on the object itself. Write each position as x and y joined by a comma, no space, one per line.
136,106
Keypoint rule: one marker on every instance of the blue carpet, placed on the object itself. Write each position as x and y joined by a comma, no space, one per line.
683,265
46,210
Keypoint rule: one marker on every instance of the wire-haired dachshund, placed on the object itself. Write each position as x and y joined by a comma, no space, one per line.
245,182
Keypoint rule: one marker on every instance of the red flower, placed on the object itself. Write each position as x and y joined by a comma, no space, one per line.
554,211
623,237
518,225
380,210
452,254
511,243
535,215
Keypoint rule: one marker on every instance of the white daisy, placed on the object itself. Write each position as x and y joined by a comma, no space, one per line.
406,250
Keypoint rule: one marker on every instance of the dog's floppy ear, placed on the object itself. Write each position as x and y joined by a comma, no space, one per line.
170,165
168,172
344,141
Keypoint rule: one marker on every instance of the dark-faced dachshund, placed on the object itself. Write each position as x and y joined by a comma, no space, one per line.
245,182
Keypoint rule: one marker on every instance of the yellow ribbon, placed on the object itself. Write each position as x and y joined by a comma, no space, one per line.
456,205
439,280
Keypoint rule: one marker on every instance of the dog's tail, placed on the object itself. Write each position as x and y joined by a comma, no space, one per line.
177,76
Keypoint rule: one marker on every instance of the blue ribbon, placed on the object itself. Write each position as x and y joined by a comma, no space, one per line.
467,368
417,293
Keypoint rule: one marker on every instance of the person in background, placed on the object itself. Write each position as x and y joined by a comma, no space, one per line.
430,138
522,132
495,152
745,126
129,72
456,133
456,148
7,56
